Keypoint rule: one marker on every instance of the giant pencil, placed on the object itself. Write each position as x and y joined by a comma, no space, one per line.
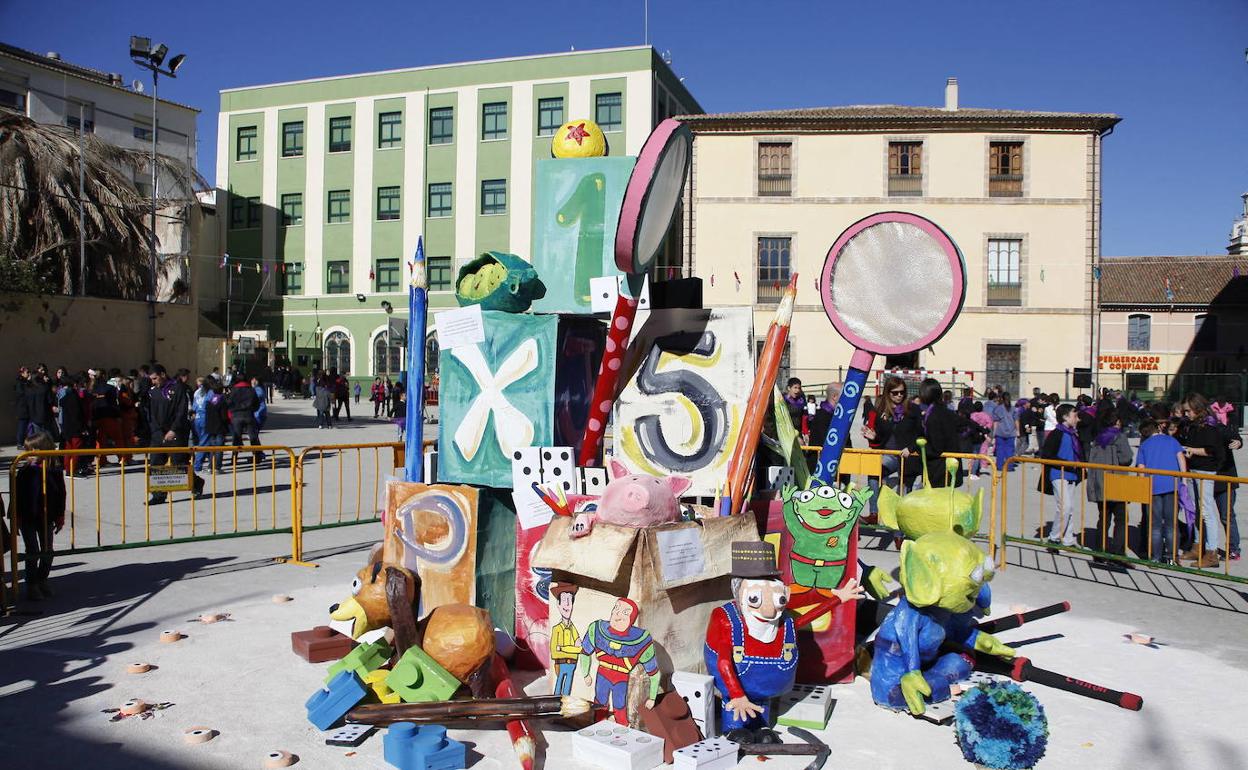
418,316
760,401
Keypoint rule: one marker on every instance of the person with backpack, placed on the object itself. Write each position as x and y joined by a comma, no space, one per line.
71,414
1110,447
1062,481
341,394
321,403
243,402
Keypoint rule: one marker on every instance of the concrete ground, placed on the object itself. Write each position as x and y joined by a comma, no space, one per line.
61,668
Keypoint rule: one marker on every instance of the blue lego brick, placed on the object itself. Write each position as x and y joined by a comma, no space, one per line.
422,747
328,705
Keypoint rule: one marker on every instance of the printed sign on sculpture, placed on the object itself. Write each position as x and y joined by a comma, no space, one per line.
496,396
576,209
682,408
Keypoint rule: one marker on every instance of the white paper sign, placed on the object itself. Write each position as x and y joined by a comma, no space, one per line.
459,327
681,554
530,509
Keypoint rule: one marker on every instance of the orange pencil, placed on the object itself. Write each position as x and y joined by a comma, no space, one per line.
522,740
760,401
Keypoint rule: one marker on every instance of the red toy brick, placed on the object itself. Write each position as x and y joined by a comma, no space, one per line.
320,644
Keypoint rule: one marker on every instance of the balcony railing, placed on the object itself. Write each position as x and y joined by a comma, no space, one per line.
1005,186
1006,294
775,184
905,184
770,291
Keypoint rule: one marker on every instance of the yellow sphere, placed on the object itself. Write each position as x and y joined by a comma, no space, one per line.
579,139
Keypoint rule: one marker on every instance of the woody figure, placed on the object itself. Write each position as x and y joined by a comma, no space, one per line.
565,642
618,646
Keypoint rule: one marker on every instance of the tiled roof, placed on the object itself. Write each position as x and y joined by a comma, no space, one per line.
888,115
1177,280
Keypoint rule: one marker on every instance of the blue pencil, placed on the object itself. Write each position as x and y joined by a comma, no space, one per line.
418,316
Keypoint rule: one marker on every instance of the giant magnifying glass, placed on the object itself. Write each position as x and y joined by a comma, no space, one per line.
892,284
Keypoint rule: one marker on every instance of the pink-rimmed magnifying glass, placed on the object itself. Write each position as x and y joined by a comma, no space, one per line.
650,203
893,283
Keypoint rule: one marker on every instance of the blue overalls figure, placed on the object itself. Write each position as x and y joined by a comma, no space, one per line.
751,645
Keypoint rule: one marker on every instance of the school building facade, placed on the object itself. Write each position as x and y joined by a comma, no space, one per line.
1019,192
326,184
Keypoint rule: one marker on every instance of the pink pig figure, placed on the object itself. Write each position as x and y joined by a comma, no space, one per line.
634,500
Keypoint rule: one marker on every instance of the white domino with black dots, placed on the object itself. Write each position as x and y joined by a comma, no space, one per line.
613,746
713,754
806,705
697,690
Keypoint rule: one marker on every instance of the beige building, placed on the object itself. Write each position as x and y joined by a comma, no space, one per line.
1019,192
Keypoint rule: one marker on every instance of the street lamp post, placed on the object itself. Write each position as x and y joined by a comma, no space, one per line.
143,54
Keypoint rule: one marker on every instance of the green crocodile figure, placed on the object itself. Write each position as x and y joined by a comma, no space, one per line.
820,519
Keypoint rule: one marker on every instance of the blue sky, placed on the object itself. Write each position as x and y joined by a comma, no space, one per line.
1175,71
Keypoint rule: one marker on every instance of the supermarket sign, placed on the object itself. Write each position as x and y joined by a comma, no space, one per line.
1129,363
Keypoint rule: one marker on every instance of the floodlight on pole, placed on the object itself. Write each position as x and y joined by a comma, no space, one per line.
157,56
140,47
176,62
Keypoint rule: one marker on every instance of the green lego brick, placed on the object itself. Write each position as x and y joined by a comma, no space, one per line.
787,722
418,678
362,660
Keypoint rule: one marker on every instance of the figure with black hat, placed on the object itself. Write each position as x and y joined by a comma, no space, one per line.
751,645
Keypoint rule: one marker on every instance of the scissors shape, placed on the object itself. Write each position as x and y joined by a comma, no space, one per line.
512,427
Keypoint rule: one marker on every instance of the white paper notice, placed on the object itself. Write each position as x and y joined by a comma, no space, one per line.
530,509
681,554
463,326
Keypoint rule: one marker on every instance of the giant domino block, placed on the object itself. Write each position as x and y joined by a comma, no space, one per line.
616,747
717,753
698,691
806,705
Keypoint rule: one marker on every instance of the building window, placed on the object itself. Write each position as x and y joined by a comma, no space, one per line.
339,206
1206,338
292,139
439,199
292,278
143,131
387,274
387,203
238,212
389,129
253,211
441,125
338,352
438,270
775,168
387,354
1137,381
785,357
338,277
245,148
494,196
549,115
773,268
88,125
905,168
292,209
494,121
1139,331
1001,366
340,134
1005,285
13,100
1005,169
609,111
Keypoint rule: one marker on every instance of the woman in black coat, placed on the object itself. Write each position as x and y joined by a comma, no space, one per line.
940,428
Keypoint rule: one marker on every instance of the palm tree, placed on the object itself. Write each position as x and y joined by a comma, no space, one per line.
39,229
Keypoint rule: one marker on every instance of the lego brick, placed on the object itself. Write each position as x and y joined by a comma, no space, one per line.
807,706
317,645
363,659
350,735
698,691
376,681
716,753
418,678
422,747
328,705
671,720
616,747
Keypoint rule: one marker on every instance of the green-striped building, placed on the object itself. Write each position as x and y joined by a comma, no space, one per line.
326,184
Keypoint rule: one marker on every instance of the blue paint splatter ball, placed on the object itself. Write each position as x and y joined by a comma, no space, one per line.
1001,725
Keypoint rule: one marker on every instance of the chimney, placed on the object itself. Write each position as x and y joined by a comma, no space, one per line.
951,94
115,78
54,55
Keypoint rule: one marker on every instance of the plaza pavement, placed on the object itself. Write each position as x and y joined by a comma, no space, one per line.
61,668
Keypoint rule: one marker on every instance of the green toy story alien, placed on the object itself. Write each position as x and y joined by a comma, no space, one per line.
820,519
944,577
932,509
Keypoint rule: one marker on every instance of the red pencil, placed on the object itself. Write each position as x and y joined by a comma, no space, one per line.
522,740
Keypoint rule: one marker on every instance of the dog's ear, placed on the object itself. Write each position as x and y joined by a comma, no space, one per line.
374,554
375,571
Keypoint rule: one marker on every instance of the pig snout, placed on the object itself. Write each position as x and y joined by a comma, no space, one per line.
635,498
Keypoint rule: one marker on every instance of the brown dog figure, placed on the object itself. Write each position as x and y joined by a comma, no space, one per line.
367,607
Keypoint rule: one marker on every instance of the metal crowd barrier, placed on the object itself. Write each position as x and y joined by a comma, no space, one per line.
1125,484
230,476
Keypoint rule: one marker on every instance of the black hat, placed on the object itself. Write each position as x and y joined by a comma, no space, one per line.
754,559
